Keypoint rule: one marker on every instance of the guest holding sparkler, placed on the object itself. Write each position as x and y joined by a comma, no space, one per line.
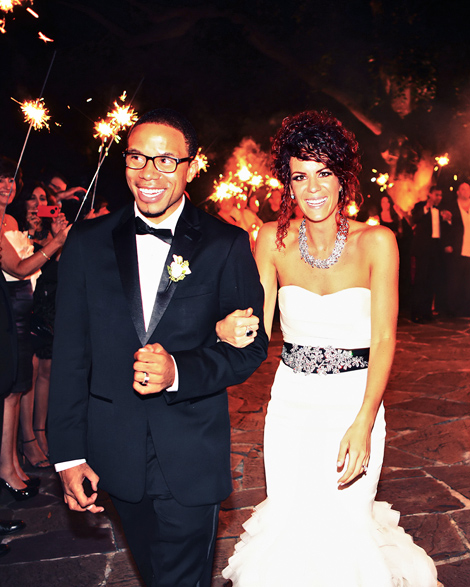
41,229
20,265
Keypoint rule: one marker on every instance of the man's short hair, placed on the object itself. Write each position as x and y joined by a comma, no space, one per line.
434,188
173,119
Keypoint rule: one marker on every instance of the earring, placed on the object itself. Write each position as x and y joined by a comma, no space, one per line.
292,196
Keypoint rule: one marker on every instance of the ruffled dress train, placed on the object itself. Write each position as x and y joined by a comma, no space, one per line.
309,533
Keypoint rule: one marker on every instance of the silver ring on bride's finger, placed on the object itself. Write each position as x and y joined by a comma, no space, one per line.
146,379
249,331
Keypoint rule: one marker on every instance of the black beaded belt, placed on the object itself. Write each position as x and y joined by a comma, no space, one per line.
324,361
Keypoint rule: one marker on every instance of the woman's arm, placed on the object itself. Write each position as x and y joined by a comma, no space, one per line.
233,328
22,268
383,254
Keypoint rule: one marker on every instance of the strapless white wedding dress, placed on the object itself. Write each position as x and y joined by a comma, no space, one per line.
309,533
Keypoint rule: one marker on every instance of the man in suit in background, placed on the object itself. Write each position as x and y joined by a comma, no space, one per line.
428,249
459,274
156,434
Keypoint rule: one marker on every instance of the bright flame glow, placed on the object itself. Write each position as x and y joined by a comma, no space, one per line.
373,221
442,160
122,116
243,173
118,119
273,183
44,38
104,130
383,178
254,232
201,160
36,113
31,11
2,26
225,190
352,209
8,5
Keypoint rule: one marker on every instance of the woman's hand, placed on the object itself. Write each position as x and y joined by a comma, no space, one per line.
58,224
238,328
356,446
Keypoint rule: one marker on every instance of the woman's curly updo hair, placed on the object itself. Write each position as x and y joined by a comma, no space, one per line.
314,136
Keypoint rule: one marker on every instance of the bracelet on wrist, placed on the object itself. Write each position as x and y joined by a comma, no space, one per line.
43,253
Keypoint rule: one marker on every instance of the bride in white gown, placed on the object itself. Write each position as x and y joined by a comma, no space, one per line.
325,428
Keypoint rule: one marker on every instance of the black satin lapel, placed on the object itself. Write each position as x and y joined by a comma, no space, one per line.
126,255
184,244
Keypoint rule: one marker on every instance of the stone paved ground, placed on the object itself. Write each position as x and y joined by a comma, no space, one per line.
426,474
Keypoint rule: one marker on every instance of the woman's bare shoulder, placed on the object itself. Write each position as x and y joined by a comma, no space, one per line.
269,231
368,235
10,223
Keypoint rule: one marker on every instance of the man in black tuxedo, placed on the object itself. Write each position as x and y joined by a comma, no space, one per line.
431,227
155,433
459,273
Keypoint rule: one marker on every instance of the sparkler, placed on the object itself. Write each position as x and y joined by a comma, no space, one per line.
8,5
44,38
352,209
442,161
201,160
37,116
382,180
373,221
122,117
35,113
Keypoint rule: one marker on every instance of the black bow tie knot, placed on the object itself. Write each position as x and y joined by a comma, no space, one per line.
163,234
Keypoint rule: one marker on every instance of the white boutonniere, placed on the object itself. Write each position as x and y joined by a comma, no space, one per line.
178,269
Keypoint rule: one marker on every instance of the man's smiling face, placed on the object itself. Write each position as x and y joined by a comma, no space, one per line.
158,194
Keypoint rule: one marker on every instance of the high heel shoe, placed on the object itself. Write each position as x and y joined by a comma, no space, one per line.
19,494
42,464
32,482
41,430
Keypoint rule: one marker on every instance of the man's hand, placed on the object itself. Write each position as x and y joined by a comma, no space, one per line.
447,216
74,494
71,194
235,328
155,368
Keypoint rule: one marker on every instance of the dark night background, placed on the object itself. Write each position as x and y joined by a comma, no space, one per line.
396,73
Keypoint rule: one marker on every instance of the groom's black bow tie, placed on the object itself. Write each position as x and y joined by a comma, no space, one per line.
163,234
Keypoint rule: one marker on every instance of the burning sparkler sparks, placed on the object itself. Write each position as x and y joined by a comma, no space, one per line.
122,116
225,190
35,113
8,5
201,160
44,38
104,130
352,209
118,119
373,221
442,160
382,180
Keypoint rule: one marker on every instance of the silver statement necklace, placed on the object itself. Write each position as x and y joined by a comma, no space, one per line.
340,241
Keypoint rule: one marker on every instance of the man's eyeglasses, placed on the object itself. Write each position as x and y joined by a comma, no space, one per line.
163,163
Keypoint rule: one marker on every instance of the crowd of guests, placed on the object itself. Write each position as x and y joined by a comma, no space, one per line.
35,219
433,241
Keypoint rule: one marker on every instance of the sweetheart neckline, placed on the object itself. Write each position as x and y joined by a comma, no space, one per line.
324,295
